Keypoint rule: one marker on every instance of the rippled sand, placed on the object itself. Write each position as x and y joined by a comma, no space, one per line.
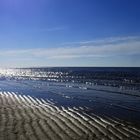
27,118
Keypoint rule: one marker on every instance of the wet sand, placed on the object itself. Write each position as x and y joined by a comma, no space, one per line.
23,117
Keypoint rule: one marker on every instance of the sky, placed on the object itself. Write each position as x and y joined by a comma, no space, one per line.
39,33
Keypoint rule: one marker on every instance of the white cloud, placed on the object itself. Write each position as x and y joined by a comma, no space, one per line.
109,40
53,29
98,48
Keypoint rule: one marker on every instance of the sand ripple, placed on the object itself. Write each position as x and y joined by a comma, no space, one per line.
23,117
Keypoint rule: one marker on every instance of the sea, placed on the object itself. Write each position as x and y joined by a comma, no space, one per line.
106,91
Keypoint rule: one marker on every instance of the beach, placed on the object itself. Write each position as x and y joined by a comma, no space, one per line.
69,69
23,117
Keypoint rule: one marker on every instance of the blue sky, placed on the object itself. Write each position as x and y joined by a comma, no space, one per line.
69,33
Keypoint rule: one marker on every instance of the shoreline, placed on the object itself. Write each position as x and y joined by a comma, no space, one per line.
23,117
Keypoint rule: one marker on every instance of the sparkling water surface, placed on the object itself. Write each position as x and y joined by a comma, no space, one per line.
106,91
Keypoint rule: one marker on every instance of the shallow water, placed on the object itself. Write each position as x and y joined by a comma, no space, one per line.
105,91
126,107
